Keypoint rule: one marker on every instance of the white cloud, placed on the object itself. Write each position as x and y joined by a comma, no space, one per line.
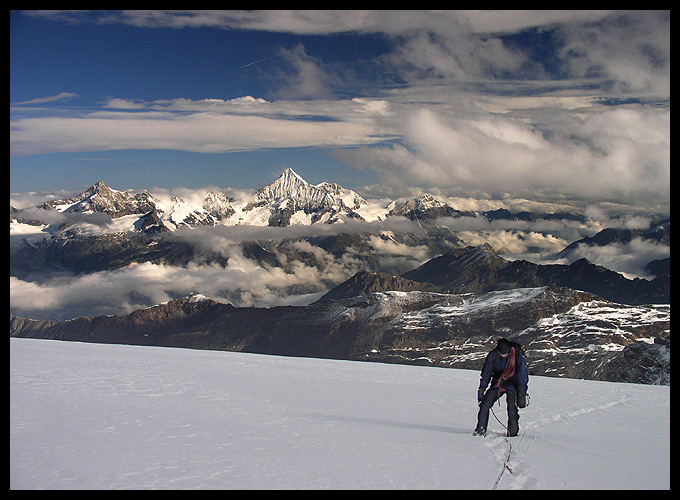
32,198
361,110
514,244
384,245
629,258
304,77
242,282
610,154
631,49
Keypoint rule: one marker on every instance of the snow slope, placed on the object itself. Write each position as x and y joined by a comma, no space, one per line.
115,416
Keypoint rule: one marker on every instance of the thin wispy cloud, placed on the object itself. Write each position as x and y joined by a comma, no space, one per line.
326,22
203,132
62,96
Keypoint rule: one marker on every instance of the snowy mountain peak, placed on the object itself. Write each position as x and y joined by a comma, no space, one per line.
485,247
290,173
101,198
292,200
346,197
98,187
425,207
288,185
218,205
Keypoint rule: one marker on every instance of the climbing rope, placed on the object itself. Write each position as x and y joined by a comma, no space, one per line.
507,459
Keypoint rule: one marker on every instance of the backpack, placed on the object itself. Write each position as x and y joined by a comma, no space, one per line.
520,348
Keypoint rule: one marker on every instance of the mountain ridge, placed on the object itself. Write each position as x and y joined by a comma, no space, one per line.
481,269
415,327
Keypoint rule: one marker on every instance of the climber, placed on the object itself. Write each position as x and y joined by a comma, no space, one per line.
506,368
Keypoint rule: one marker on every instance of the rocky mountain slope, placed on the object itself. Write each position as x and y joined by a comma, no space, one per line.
658,230
366,282
101,198
416,327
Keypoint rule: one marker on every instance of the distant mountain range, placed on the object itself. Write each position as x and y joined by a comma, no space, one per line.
288,200
134,234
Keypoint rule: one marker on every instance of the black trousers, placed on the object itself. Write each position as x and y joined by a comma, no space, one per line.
490,397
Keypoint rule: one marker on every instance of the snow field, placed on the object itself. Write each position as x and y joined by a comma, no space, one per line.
91,416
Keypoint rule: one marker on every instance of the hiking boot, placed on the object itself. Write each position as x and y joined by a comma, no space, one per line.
478,432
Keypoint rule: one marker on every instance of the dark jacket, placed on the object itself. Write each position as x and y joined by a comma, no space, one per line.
494,366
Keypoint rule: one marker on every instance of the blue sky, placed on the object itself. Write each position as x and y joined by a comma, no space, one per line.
549,105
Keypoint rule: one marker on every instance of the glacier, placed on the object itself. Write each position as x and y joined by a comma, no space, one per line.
93,416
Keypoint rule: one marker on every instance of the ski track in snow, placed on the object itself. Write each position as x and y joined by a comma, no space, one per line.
518,447
88,416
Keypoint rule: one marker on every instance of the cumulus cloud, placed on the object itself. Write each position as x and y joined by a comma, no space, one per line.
304,77
242,282
33,198
604,155
514,244
631,49
517,239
